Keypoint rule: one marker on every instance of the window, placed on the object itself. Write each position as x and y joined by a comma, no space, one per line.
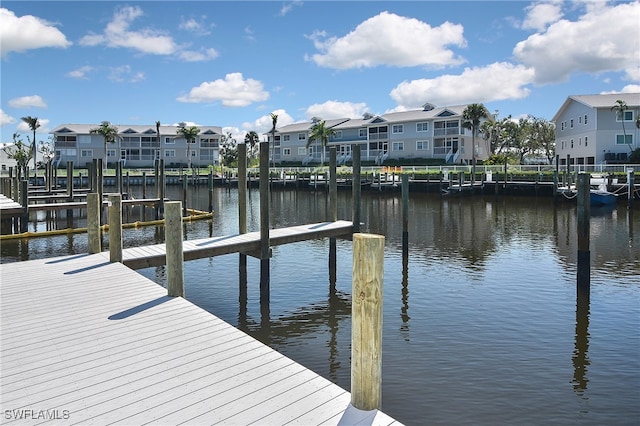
586,140
170,141
194,153
422,145
302,136
302,150
286,151
628,115
422,127
338,134
580,120
168,153
397,128
624,139
86,153
111,153
362,133
571,123
398,146
571,143
585,119
286,138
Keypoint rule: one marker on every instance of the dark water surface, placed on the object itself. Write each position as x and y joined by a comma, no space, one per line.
482,324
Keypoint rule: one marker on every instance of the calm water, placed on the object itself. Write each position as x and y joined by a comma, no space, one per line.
482,324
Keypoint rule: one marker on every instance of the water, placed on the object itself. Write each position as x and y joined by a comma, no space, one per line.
482,324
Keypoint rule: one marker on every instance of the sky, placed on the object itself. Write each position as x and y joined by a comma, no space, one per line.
232,63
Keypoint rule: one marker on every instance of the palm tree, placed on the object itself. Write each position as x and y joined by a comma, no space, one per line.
472,115
189,133
620,108
274,121
320,133
156,156
33,124
109,132
252,139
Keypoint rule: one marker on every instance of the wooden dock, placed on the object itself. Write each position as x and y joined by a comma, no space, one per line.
86,341
155,255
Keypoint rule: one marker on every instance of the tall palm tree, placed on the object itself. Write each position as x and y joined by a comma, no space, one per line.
109,132
252,139
471,116
620,107
320,133
156,156
33,124
190,133
274,121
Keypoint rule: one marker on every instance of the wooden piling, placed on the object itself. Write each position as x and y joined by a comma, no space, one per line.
583,219
185,180
242,217
405,215
264,222
175,255
366,318
115,227
24,201
210,187
355,186
631,187
333,208
93,222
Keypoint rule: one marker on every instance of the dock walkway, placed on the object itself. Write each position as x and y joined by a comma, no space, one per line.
155,255
85,341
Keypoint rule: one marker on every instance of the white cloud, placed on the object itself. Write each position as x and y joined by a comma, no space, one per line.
264,123
27,32
540,15
198,56
389,39
335,109
233,91
195,26
500,80
124,74
6,119
33,101
118,34
605,38
630,88
80,73
288,6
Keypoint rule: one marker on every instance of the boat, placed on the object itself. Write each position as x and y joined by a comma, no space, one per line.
601,197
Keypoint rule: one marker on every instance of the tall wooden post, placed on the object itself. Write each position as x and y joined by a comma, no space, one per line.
264,222
355,187
115,227
242,217
405,215
333,208
631,188
366,318
100,186
93,222
161,187
119,185
24,202
185,181
210,187
584,253
175,255
70,180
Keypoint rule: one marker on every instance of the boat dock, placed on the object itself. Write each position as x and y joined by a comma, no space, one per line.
87,341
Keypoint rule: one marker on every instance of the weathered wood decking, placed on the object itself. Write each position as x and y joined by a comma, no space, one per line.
85,341
9,207
155,255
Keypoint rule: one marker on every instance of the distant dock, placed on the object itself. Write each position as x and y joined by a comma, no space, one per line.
86,341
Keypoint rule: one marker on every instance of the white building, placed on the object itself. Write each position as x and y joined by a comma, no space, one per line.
136,146
428,133
590,132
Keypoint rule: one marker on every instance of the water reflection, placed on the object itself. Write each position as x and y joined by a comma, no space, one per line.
580,356
404,310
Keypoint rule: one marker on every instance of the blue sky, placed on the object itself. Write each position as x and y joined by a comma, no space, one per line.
230,64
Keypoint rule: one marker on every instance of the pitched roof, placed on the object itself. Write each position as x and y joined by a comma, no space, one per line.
600,101
143,129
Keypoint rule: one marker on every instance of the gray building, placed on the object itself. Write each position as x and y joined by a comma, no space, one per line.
590,132
136,146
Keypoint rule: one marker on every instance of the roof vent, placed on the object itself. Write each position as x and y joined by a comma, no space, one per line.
367,116
428,107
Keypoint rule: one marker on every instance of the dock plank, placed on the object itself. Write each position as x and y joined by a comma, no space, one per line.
110,347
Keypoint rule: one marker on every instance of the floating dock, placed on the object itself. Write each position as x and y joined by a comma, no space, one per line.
86,341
